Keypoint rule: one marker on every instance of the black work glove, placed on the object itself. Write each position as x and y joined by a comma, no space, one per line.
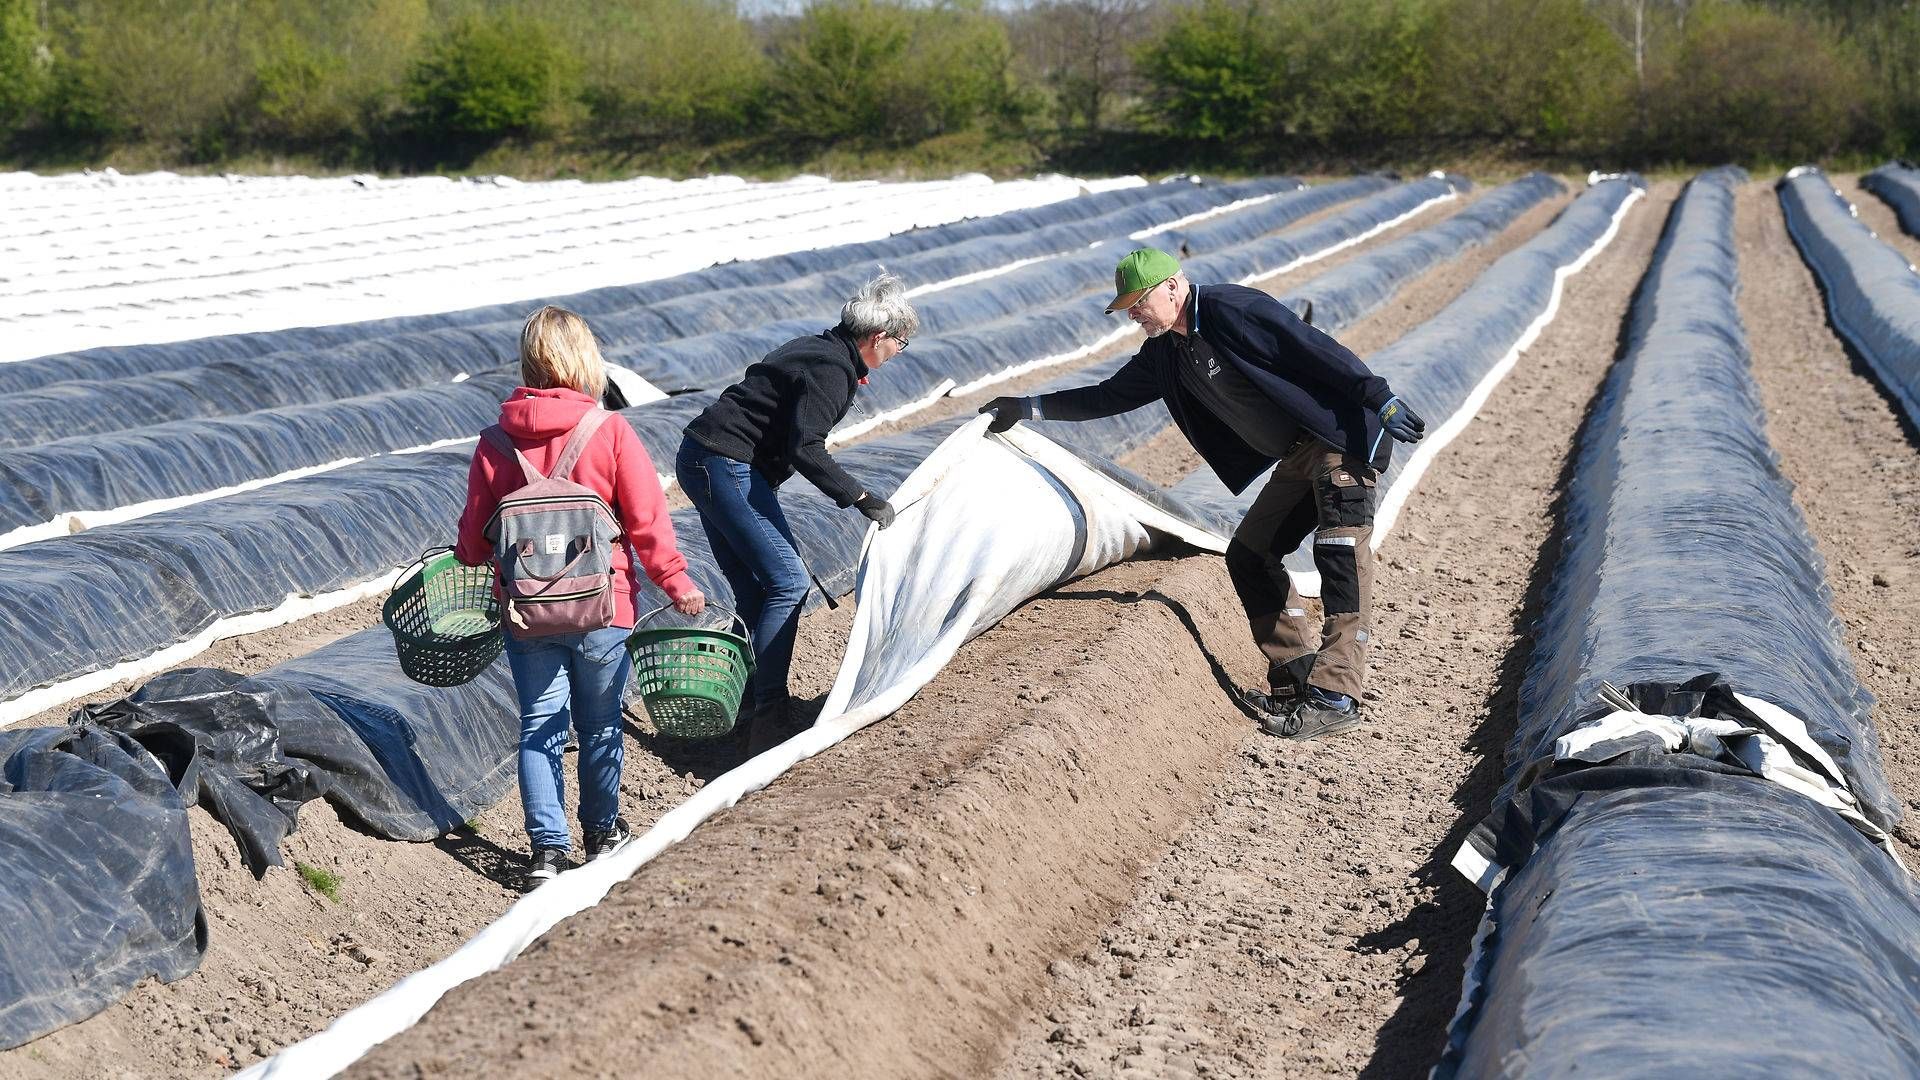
1007,411
1402,422
877,510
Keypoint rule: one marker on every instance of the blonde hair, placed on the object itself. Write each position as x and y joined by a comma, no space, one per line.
557,350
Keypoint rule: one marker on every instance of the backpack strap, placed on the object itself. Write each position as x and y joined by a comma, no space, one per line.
497,435
583,433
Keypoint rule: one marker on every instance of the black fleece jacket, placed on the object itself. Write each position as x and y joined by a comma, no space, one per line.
1310,378
776,418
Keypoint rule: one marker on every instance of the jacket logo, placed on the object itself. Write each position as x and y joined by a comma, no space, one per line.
1213,367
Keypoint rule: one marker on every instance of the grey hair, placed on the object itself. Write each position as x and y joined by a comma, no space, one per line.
880,307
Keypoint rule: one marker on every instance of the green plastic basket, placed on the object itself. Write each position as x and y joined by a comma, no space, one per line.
445,620
691,679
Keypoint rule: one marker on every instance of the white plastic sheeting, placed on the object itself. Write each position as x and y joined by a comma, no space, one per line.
126,260
984,524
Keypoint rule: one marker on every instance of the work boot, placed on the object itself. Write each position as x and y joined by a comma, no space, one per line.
1318,713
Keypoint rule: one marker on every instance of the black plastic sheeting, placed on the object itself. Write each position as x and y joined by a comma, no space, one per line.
114,468
192,457
1667,913
1873,296
1898,185
1437,365
1340,297
114,362
1745,594
83,603
97,885
301,375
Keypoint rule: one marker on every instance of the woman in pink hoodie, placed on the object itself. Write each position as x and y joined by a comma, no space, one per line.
574,676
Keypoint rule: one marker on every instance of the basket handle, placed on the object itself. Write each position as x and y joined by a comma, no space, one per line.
745,630
422,560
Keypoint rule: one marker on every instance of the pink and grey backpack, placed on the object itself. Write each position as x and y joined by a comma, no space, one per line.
553,542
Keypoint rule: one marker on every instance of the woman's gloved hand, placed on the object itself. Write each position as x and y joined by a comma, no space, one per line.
877,510
1008,411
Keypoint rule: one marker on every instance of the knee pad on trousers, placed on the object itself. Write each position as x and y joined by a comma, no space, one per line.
1259,593
1339,577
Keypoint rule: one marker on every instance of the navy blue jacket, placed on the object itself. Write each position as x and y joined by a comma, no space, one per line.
1309,376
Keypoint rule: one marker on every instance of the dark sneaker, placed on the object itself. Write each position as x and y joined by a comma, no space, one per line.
604,842
1313,718
547,863
1275,702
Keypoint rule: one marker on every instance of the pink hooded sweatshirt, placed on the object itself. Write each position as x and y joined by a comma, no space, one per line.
615,465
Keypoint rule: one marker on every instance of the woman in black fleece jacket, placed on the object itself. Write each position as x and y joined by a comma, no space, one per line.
766,427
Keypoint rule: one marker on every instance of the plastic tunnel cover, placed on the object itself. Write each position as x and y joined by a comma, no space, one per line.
1664,912
1873,295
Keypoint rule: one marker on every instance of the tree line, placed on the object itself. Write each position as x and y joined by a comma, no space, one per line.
1087,83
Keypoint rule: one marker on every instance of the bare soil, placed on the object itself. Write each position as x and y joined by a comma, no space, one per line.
1854,459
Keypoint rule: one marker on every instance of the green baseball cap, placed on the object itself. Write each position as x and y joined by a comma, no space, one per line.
1139,271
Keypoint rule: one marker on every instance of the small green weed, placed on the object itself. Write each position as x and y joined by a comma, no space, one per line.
324,882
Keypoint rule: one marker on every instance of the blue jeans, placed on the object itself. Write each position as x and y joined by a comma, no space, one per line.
577,677
755,550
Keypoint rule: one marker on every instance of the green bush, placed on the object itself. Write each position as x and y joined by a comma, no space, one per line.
1214,73
1758,86
325,71
662,68
170,72
885,72
24,60
490,76
1355,71
1546,73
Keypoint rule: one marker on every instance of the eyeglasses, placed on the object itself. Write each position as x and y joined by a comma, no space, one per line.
1144,297
902,341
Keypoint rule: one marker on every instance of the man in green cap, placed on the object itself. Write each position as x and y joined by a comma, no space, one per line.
1254,388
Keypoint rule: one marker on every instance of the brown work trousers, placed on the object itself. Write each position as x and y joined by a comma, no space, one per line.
1313,489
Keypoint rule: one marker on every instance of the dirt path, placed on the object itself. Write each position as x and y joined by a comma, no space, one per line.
1307,923
1855,462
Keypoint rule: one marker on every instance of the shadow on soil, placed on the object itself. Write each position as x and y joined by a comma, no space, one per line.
1412,1039
708,758
484,857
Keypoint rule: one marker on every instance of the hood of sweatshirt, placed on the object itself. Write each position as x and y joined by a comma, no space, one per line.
543,414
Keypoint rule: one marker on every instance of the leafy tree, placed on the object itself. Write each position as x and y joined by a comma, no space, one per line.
325,71
1213,73
665,67
23,62
884,71
1747,84
490,76
1082,50
1544,72
1355,71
